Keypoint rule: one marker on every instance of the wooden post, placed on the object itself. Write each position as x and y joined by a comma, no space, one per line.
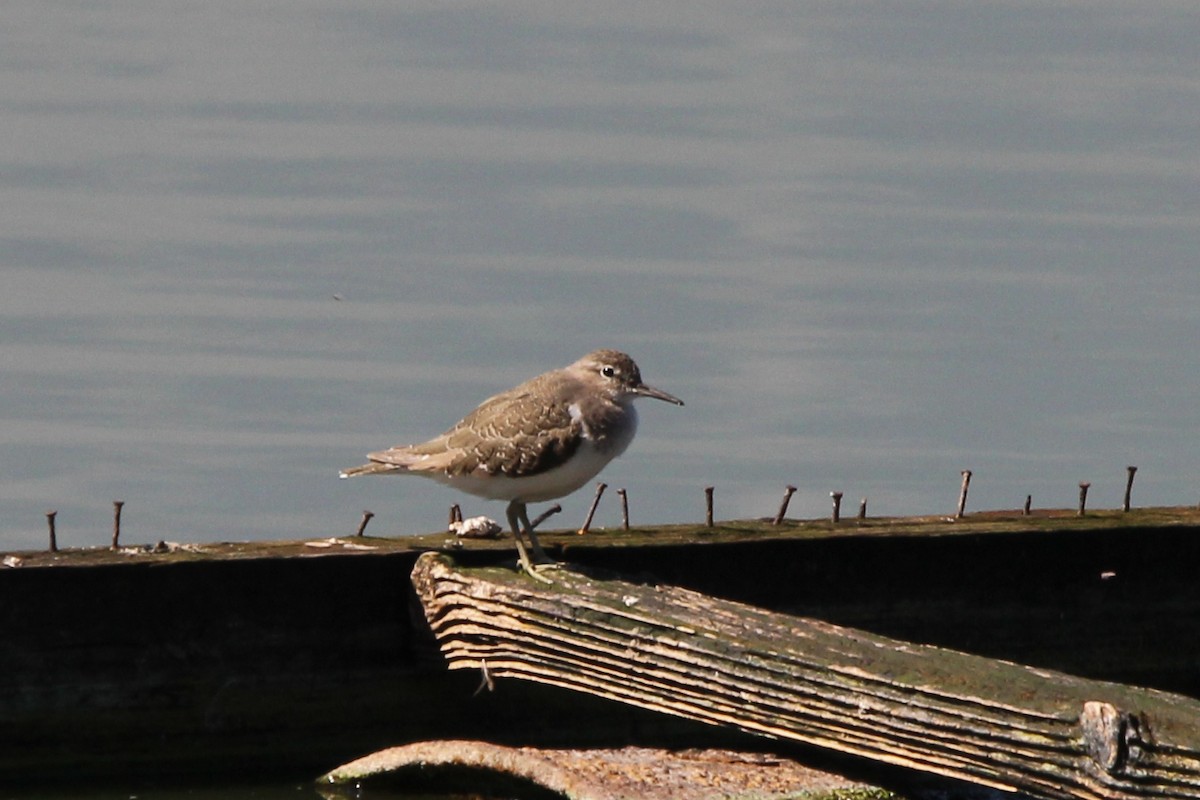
1028,504
962,494
862,508
788,491
624,509
50,515
837,506
1128,487
708,506
1083,490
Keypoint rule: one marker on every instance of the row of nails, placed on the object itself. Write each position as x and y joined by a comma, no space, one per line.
456,512
1080,511
962,499
789,490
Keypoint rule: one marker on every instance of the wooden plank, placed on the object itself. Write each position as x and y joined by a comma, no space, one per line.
679,652
471,767
224,658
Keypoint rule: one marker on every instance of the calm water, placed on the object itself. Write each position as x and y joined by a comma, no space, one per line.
871,245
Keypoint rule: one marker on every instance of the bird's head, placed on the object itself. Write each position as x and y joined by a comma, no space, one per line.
619,376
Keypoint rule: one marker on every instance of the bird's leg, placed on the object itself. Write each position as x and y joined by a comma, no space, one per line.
516,512
538,553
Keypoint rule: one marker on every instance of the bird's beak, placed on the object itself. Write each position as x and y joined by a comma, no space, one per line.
650,391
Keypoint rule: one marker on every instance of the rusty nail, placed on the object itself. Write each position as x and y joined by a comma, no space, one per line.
1129,486
545,515
117,504
587,523
788,491
362,526
962,494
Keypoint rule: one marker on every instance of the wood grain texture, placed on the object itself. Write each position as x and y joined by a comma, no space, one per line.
679,652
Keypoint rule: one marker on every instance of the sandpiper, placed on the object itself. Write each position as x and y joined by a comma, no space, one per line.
538,441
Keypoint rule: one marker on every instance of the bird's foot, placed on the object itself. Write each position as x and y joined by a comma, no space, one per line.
534,567
540,561
534,570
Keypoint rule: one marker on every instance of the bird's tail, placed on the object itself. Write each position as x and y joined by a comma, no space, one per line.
374,468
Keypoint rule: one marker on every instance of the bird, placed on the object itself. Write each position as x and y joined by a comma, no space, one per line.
538,441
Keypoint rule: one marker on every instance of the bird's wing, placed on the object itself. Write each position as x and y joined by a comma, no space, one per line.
516,433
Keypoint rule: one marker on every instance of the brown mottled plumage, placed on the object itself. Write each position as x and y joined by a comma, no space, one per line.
538,441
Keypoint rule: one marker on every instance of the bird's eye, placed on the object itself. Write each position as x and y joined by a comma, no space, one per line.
608,372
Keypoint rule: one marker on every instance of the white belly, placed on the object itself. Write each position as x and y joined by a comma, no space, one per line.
584,465
549,485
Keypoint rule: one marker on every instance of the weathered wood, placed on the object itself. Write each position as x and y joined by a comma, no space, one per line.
679,652
601,774
221,657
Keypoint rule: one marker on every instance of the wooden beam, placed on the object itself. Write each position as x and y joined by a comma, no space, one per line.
679,652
